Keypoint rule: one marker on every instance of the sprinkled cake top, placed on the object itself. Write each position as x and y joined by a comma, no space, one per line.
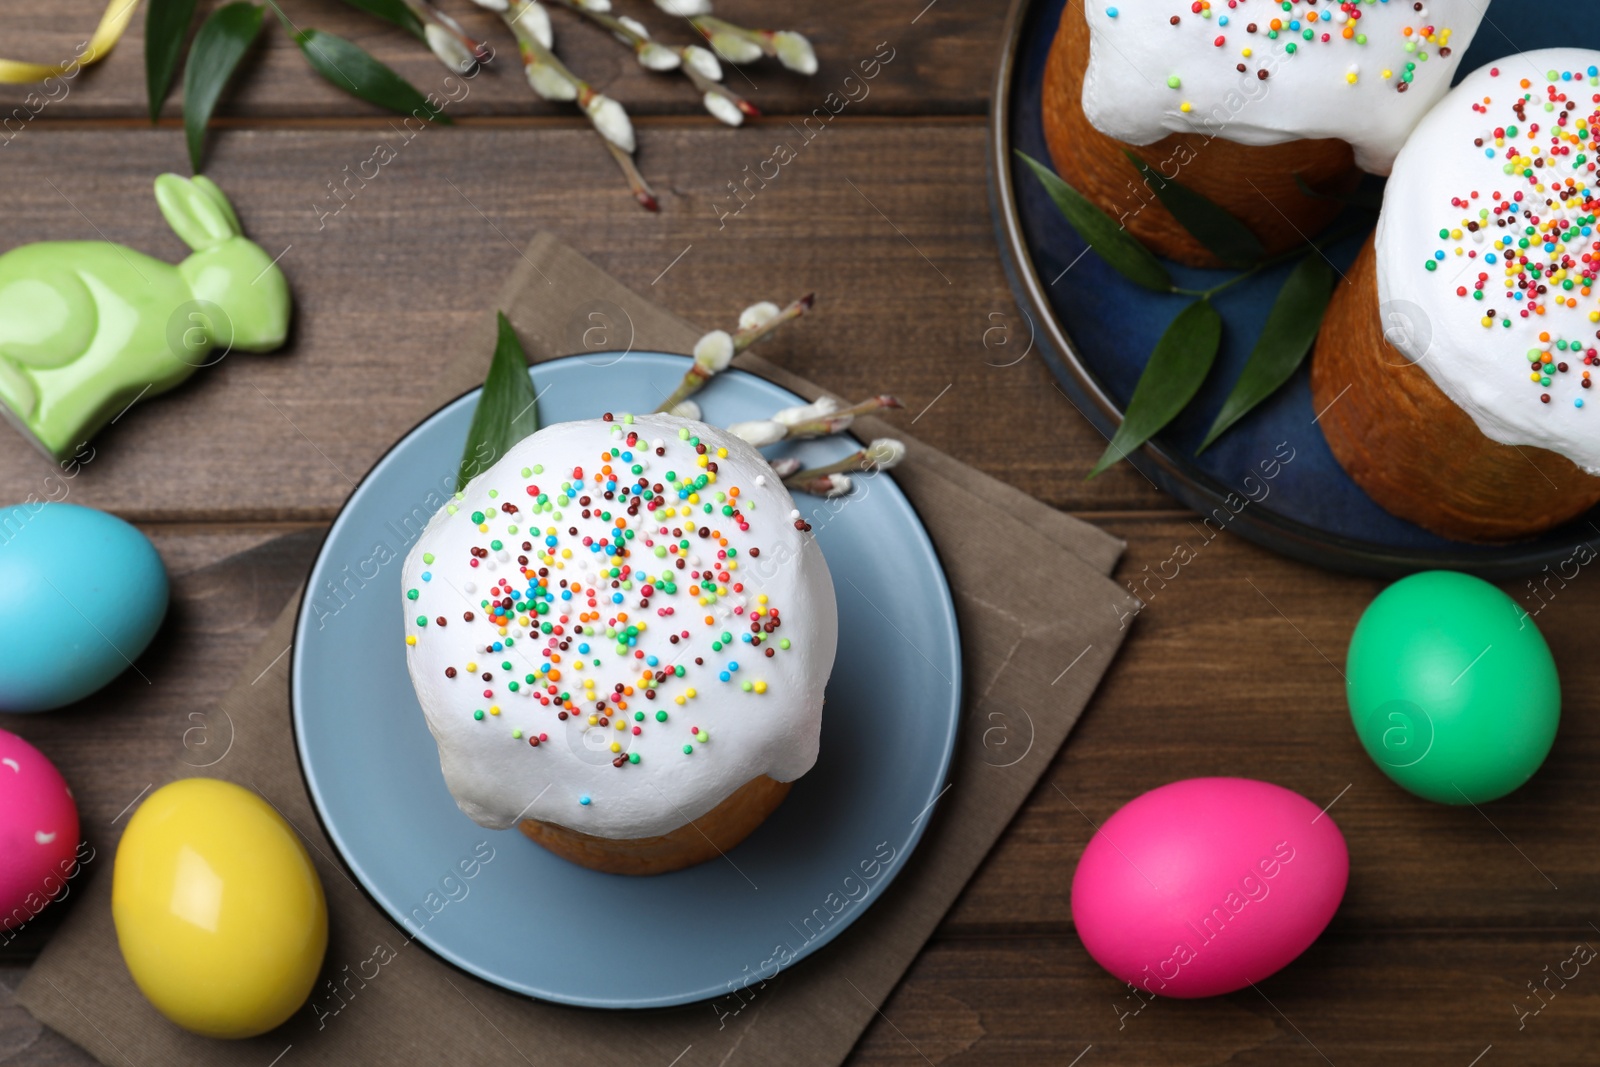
616,626
1268,71
1488,230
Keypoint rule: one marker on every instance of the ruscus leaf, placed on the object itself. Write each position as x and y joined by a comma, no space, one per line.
1177,367
166,25
507,408
1223,235
1119,248
222,41
352,69
1291,328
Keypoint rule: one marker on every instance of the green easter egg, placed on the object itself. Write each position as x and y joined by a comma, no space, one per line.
1452,688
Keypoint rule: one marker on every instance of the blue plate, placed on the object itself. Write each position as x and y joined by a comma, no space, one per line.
535,924
1096,330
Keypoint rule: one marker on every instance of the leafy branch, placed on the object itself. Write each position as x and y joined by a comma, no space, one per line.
229,33
1186,351
507,408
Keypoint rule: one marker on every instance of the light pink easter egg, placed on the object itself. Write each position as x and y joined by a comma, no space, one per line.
1204,886
38,832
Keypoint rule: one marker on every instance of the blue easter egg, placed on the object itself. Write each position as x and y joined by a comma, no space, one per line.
81,595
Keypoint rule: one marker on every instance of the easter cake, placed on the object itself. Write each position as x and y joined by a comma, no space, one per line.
620,634
1244,102
1454,370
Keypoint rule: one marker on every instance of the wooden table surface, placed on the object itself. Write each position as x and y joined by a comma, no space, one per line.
1452,915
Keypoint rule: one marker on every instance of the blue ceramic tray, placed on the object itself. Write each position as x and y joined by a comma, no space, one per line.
1088,323
535,924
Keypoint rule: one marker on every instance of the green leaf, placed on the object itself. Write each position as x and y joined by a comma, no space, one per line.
1367,200
1292,326
223,40
166,25
1223,235
1121,251
352,69
394,11
507,408
1176,369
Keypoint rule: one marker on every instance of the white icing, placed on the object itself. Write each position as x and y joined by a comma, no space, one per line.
1486,369
1308,94
499,780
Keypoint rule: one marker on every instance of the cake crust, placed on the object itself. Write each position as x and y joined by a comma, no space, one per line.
1271,203
1412,448
711,835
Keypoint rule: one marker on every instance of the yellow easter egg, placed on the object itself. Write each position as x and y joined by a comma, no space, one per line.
219,913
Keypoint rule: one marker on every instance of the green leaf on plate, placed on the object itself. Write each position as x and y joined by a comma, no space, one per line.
394,11
218,47
1177,367
166,25
352,69
1292,326
507,408
1223,235
1119,248
1366,199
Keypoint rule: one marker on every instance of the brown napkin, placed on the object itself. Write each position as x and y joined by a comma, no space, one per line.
1036,640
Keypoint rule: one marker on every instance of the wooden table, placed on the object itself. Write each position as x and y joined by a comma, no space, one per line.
1451,915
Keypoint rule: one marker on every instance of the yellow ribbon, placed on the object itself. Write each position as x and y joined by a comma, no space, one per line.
112,24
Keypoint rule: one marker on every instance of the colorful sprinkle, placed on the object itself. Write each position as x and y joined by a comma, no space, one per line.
586,615
1537,229
1338,21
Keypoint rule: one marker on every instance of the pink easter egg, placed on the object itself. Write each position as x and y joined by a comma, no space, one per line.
38,832
1204,886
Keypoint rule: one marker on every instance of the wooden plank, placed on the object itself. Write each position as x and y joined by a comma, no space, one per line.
887,222
1395,998
939,63
1421,998
1234,669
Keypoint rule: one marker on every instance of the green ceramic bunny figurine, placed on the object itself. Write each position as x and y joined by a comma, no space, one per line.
88,327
